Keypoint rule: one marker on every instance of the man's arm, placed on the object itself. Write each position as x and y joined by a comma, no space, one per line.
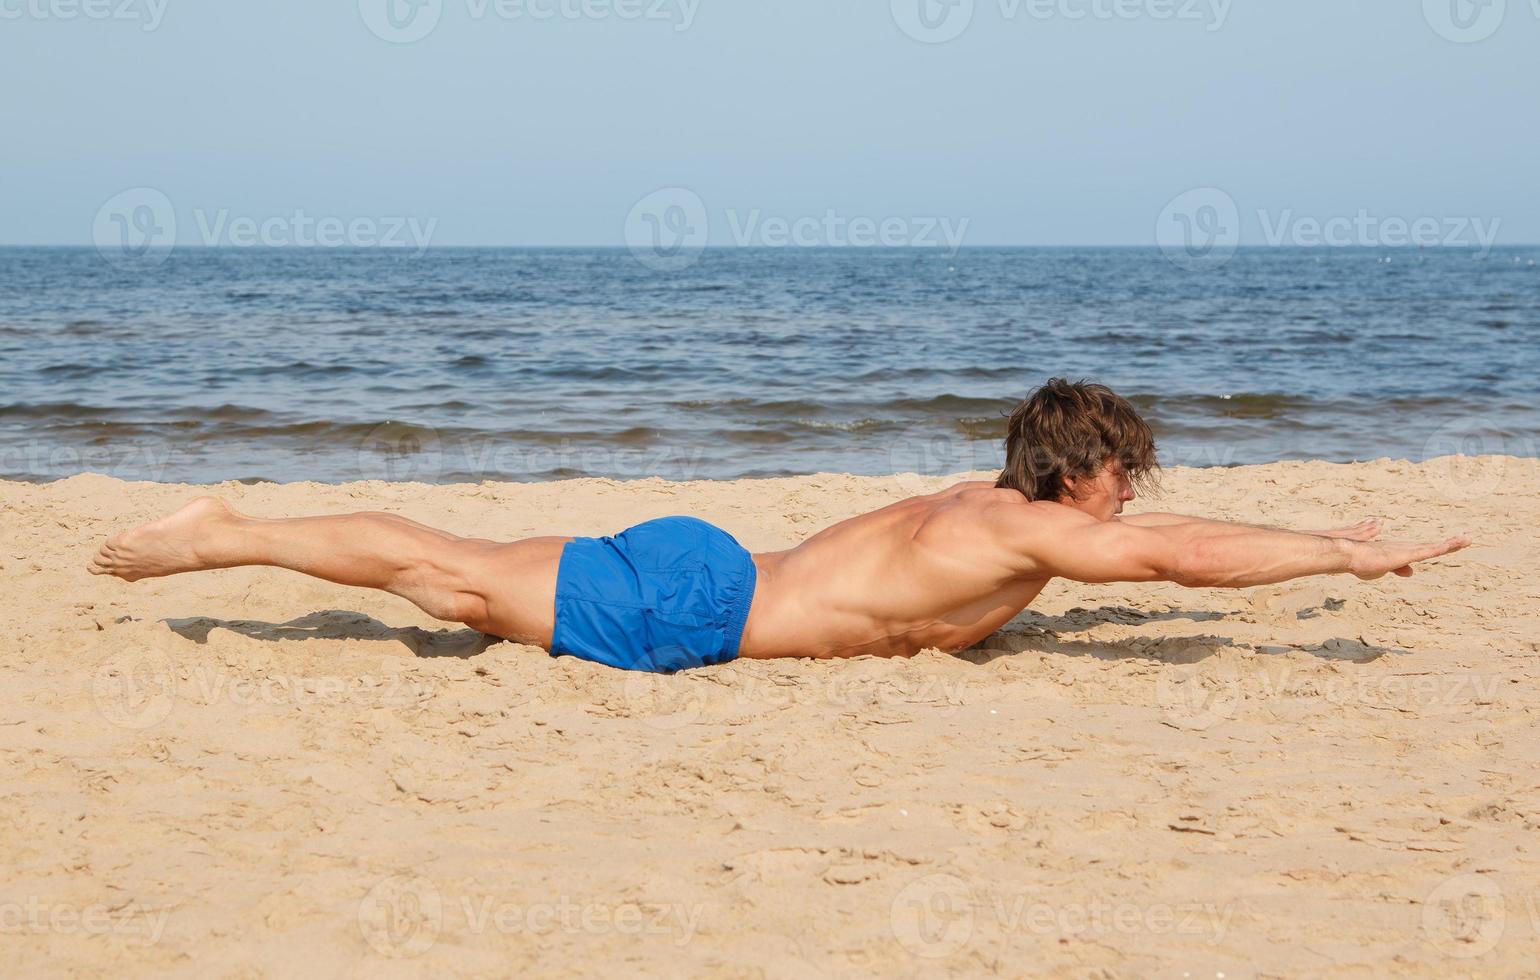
1170,520
1206,555
1364,530
1153,520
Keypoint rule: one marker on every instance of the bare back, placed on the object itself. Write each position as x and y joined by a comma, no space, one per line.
924,572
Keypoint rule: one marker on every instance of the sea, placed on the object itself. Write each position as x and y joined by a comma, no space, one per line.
519,364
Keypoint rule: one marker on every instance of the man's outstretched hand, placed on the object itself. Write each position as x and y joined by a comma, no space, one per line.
1370,560
1365,530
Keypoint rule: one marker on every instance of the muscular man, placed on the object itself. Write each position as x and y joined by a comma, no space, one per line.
943,570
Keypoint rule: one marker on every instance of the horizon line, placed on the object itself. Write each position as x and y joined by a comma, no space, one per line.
195,246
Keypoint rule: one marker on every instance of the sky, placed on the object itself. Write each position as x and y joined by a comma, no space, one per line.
817,122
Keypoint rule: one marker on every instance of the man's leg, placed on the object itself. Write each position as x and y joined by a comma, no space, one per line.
507,590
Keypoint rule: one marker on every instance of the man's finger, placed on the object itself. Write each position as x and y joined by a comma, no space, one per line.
1423,552
1452,545
1405,571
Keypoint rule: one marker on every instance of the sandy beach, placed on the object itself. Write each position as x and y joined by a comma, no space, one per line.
252,773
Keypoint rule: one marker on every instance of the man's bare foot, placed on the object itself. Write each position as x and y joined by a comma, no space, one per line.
173,544
1365,530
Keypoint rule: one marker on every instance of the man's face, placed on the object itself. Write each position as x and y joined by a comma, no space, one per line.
1103,495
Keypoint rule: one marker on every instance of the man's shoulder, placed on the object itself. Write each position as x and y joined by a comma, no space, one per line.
1006,524
1008,509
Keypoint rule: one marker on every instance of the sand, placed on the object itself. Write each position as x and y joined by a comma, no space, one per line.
252,773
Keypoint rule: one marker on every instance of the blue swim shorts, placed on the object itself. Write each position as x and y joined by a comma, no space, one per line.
662,596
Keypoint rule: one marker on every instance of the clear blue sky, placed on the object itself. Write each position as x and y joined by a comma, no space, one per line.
1035,127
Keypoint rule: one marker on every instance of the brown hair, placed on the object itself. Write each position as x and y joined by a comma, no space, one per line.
1073,429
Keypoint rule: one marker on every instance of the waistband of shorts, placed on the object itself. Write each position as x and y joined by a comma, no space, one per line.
738,611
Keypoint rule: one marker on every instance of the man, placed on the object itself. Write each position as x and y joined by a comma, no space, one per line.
943,570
